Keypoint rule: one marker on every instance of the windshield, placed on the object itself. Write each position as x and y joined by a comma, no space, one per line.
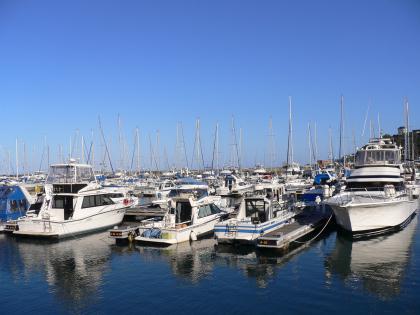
377,157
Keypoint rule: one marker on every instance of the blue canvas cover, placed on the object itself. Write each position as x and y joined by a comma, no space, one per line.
13,203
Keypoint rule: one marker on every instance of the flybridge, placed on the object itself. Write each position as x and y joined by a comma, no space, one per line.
71,173
378,152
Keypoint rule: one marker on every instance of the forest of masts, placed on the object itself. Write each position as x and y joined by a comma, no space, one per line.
118,154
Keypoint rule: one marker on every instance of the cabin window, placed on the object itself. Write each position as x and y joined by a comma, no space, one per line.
371,186
106,200
256,210
96,201
183,212
214,209
204,211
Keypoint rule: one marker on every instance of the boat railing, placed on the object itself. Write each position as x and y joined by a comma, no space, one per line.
358,194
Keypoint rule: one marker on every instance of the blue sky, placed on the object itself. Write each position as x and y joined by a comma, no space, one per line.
155,63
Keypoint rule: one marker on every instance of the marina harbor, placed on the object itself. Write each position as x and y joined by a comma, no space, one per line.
209,157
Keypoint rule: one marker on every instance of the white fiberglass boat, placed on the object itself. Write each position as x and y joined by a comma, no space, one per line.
234,185
74,204
376,198
186,220
257,216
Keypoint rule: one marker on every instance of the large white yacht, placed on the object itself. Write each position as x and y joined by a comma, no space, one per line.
376,198
74,203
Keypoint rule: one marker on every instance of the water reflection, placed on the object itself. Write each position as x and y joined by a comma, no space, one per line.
73,268
191,262
377,265
196,261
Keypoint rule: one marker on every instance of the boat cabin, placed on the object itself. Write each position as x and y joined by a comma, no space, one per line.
378,152
258,209
184,213
63,206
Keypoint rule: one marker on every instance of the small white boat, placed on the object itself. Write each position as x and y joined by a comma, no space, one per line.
184,186
74,204
257,216
234,185
186,220
164,188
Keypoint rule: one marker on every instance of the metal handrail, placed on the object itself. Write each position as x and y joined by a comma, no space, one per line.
352,193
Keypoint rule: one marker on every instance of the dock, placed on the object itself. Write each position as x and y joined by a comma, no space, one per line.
305,223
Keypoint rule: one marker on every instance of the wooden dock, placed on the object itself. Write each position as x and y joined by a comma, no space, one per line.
307,222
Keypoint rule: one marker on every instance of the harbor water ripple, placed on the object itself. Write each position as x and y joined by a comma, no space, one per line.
91,275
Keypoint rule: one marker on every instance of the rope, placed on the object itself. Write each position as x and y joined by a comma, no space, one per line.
322,230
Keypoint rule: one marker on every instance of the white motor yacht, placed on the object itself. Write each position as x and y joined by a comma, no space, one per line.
187,219
376,198
74,204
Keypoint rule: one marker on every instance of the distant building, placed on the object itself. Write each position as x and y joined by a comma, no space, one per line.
413,139
402,131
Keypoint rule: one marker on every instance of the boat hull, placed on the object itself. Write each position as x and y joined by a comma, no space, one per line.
40,228
229,232
374,217
171,236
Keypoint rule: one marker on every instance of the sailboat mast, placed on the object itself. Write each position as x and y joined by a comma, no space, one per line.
17,160
290,137
138,149
310,147
340,152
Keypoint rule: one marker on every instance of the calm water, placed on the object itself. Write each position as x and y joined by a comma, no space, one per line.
90,275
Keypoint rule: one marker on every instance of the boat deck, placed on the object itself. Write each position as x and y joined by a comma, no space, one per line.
145,212
305,223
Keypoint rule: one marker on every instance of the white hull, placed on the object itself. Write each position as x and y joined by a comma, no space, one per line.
232,230
373,215
173,236
60,229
